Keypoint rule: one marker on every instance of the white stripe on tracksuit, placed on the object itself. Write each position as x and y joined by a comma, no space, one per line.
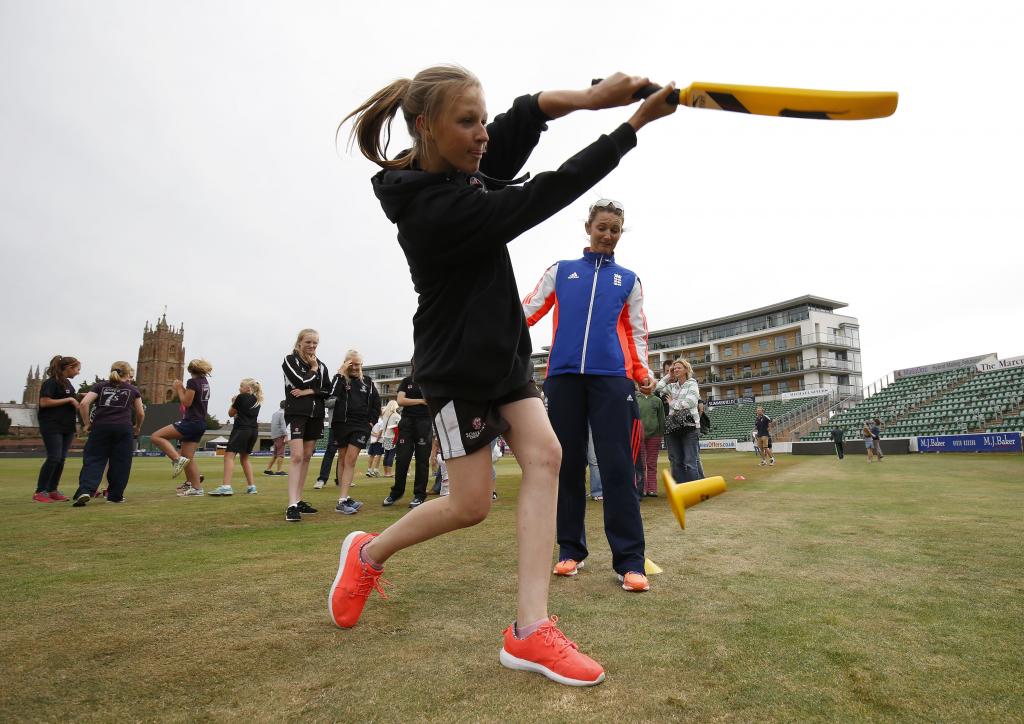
449,436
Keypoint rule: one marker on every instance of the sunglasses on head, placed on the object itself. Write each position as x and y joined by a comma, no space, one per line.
608,204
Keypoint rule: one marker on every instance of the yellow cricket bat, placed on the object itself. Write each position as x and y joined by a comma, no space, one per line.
787,102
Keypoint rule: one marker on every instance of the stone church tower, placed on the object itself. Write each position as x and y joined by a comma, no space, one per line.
33,383
161,361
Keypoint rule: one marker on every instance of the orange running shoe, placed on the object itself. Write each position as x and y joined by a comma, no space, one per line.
568,567
547,651
353,583
634,581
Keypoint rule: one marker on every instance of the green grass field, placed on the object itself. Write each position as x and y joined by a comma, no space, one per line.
814,590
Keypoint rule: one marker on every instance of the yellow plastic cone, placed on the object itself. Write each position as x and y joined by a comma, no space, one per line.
650,567
686,495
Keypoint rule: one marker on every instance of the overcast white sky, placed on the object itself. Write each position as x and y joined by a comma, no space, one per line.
182,154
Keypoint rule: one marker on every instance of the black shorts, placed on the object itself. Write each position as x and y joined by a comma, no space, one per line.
302,427
242,440
376,448
355,435
464,426
190,430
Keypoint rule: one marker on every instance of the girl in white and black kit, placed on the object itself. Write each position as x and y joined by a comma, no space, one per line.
356,409
472,346
245,409
58,406
306,387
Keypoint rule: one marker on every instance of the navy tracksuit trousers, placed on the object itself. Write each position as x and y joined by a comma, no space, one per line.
608,404
107,444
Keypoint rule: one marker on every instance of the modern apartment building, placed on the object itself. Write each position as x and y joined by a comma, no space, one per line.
799,345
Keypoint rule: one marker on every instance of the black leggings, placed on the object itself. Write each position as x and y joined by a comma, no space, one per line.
57,445
415,435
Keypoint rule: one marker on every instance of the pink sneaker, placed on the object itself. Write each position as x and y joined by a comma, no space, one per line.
43,498
354,581
547,651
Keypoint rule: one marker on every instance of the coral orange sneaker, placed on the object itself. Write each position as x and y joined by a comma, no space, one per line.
547,651
635,581
568,567
354,581
42,498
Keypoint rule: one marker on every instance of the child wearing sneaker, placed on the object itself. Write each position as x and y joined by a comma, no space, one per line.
306,386
245,409
356,408
112,434
194,397
279,434
472,345
390,418
58,407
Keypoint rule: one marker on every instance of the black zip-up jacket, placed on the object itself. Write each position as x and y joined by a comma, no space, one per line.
298,376
342,393
470,336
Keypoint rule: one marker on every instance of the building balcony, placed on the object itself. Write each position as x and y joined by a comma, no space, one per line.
773,350
764,374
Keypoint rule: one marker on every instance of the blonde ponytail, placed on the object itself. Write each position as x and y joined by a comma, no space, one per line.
427,95
200,366
121,372
256,387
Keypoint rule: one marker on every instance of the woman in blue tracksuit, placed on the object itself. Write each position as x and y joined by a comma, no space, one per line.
598,349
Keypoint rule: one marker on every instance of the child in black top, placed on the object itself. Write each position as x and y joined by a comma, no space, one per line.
472,346
356,408
57,407
245,409
306,387
414,438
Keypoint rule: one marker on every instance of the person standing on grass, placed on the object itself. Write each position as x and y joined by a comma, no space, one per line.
306,387
869,440
58,404
682,424
596,490
330,449
876,438
390,420
472,344
356,408
375,450
652,416
414,438
194,397
762,426
245,408
279,434
837,438
598,352
112,434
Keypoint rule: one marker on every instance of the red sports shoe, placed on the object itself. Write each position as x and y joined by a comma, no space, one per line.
354,581
547,651
568,567
57,495
42,498
635,581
